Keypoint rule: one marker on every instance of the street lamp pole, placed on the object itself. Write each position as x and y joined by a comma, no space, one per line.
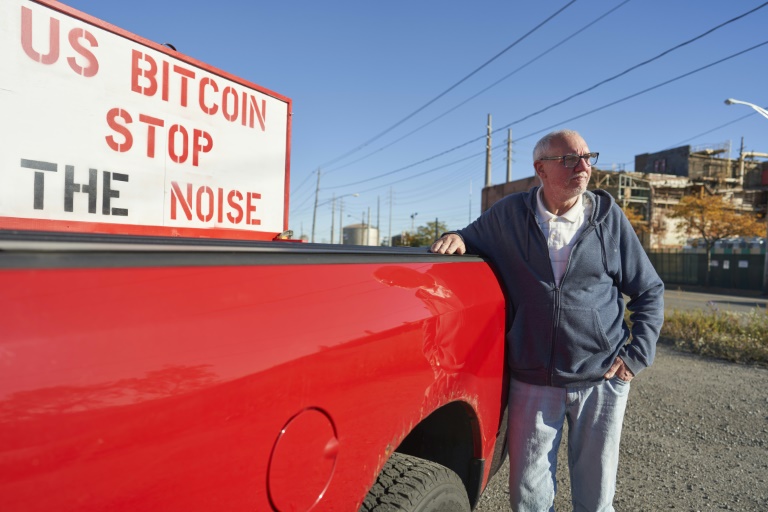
341,216
763,112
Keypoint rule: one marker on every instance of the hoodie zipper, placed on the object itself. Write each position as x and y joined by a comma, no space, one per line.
557,296
558,290
555,289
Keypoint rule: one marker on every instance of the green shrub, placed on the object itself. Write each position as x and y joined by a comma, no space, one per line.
738,337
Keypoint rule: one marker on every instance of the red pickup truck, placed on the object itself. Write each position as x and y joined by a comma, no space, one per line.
177,374
161,349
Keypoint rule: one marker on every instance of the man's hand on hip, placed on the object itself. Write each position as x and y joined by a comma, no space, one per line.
620,370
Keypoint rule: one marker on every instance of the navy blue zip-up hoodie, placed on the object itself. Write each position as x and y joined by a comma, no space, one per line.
571,334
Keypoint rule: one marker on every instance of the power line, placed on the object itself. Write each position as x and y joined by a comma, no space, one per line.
667,82
497,82
632,68
713,129
306,180
425,172
455,148
430,102
584,91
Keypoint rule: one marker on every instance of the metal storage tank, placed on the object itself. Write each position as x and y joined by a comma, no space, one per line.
357,234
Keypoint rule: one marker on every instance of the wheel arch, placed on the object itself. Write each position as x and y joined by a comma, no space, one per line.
450,436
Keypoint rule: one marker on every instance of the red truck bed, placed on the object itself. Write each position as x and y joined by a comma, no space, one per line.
170,374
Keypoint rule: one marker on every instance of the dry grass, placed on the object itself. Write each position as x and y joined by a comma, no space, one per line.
737,337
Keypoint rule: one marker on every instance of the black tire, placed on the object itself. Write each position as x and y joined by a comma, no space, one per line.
411,484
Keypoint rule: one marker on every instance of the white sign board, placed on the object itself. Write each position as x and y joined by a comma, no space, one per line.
105,132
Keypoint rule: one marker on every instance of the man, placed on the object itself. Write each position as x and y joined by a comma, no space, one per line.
564,257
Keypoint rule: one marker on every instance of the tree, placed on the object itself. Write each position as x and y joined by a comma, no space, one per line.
425,235
711,218
636,219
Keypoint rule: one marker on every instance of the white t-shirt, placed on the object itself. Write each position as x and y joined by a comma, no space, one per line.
562,231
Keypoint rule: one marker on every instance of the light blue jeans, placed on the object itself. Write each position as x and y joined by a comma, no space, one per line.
536,417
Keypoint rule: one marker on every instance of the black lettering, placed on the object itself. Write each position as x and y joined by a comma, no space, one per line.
70,187
110,193
39,194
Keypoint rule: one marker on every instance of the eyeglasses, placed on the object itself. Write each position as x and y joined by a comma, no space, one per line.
571,161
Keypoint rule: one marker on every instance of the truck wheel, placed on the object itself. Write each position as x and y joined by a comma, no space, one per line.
411,484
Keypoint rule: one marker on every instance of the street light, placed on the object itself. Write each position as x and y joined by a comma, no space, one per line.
760,110
764,113
341,216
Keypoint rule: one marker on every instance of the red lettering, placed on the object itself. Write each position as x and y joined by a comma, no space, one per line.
175,156
203,106
251,208
148,74
197,147
179,143
26,38
165,81
87,69
254,109
92,66
229,92
220,214
206,204
177,196
151,123
235,206
112,115
185,74
205,217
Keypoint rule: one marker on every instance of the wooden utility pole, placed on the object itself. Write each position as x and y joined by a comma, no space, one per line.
389,235
470,203
509,155
488,154
333,213
314,212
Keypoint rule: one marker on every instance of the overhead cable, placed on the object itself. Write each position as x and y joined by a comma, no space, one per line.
455,148
430,102
636,66
497,82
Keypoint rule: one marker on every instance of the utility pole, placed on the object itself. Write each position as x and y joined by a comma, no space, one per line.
314,212
333,213
509,155
470,202
437,232
390,217
488,154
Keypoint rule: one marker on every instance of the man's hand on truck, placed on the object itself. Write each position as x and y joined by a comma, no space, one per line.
449,243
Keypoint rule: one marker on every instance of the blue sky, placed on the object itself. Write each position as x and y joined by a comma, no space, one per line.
358,69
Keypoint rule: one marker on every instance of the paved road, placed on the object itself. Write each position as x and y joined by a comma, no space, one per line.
679,299
695,435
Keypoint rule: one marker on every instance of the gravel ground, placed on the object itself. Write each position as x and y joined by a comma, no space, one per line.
695,438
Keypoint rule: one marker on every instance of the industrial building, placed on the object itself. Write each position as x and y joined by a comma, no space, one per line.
661,179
